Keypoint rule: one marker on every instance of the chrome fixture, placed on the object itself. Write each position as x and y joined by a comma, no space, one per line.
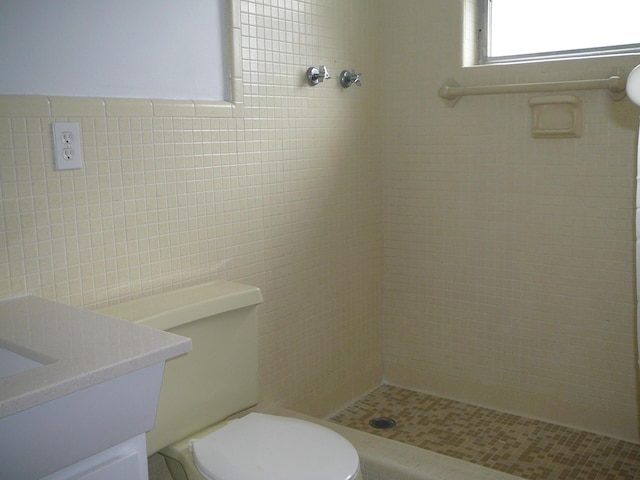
348,78
317,75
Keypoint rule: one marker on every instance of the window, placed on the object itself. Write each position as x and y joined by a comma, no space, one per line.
520,30
169,49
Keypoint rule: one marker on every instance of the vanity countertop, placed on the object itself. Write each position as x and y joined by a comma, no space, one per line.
78,349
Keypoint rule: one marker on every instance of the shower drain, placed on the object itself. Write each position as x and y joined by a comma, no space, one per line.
382,423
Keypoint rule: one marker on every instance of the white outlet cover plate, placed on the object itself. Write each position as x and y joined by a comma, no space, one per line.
66,146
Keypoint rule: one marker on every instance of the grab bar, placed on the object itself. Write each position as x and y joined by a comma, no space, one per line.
451,91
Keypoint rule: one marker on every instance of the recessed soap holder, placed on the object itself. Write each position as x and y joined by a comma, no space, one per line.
556,116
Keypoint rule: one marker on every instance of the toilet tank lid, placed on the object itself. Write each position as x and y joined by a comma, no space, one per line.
178,307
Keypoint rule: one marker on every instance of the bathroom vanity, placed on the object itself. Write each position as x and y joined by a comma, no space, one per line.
78,391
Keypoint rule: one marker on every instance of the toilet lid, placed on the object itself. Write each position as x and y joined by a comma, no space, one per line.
268,447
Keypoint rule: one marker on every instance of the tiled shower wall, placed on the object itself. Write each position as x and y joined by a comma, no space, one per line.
286,196
508,260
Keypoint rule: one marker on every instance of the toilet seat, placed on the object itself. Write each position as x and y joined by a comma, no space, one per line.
269,447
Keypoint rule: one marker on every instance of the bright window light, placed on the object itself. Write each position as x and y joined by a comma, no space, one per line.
525,27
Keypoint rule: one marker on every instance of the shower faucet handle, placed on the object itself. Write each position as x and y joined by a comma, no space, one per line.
317,75
348,78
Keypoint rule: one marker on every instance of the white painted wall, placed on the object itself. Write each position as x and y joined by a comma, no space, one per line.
144,49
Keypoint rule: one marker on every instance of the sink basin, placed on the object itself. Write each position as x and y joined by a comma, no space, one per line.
12,363
15,359
74,384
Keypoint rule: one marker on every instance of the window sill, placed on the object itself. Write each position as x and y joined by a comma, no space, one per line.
45,106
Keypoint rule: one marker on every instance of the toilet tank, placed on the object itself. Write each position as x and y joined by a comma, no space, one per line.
219,377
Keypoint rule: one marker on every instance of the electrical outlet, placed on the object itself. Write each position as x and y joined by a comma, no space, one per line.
66,145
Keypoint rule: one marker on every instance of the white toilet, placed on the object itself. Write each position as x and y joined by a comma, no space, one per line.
219,379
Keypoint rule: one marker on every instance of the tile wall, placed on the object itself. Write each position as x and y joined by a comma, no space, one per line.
503,264
508,260
286,196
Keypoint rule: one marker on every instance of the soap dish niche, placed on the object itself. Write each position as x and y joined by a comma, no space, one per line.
556,116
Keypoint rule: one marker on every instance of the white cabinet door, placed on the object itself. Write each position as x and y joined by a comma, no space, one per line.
127,461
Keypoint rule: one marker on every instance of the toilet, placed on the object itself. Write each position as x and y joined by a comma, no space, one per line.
201,426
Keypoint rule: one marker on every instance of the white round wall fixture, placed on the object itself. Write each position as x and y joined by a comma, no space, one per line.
633,85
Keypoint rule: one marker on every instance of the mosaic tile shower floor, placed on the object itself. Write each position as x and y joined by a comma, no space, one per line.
526,448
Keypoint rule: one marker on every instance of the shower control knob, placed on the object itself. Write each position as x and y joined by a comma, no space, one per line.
348,78
317,75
